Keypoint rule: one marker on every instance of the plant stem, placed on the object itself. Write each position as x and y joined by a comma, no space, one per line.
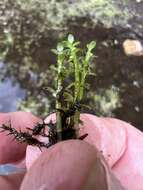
85,70
58,96
83,77
76,90
77,77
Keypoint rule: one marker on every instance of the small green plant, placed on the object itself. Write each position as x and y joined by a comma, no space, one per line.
72,68
71,63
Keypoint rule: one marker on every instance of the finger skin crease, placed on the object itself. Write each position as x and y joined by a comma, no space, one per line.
124,151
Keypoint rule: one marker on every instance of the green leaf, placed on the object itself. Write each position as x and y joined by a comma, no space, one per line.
54,51
91,45
70,85
49,89
92,74
60,47
86,106
53,68
71,38
68,97
76,44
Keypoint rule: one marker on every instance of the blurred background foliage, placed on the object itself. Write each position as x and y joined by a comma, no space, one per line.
29,29
25,23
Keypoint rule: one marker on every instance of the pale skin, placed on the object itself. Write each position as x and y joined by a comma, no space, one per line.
75,164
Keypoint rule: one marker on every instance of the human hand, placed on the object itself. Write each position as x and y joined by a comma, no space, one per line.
120,143
82,154
101,171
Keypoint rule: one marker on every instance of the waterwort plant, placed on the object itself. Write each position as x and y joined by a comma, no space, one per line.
72,68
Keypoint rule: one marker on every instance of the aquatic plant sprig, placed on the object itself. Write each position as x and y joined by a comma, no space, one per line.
59,91
85,67
81,70
72,69
69,53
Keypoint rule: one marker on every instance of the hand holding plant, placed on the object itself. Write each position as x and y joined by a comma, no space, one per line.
74,164
82,158
72,69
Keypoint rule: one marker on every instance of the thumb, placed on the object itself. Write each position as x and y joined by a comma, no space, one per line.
74,164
